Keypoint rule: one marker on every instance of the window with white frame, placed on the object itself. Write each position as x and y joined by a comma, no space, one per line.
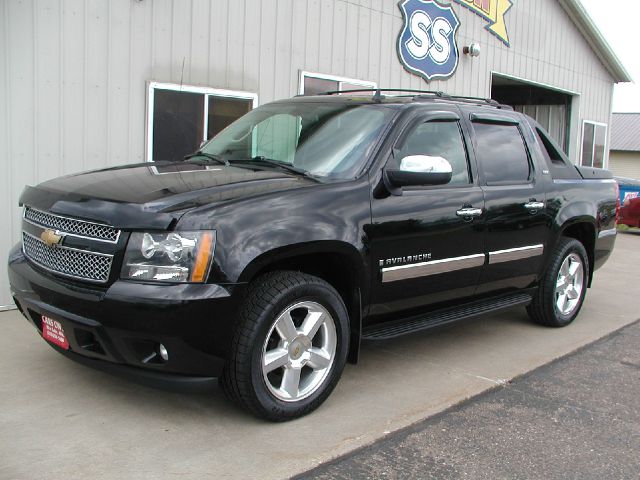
181,117
594,139
315,83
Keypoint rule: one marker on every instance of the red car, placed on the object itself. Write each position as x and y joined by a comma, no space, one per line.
630,212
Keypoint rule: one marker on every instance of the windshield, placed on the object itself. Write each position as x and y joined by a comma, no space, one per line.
331,141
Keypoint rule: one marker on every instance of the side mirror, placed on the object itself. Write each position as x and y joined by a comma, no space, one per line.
419,170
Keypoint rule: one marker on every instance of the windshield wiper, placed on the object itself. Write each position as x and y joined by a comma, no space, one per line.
210,156
282,165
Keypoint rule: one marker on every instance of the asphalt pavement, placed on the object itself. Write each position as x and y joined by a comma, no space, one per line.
578,417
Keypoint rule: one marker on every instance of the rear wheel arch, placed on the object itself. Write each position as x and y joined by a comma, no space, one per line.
561,292
585,232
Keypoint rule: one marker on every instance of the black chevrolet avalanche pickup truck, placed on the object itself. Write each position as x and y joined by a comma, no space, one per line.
305,227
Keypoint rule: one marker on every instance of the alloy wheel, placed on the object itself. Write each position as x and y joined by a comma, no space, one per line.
569,284
299,351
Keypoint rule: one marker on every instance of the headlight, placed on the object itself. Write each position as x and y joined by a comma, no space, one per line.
169,257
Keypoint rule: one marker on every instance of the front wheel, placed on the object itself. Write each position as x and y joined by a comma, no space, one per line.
290,346
563,287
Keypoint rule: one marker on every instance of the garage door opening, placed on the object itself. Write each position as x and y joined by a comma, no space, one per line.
550,108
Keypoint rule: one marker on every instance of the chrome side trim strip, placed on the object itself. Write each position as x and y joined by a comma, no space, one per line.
435,267
512,254
612,232
583,180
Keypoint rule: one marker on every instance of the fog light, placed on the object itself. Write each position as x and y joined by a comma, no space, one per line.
162,350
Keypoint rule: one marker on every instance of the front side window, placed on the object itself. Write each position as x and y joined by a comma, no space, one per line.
332,141
439,139
182,117
502,154
594,138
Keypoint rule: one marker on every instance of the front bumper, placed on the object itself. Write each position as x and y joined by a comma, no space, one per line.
118,328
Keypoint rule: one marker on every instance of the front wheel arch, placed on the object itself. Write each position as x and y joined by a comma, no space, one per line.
243,378
337,263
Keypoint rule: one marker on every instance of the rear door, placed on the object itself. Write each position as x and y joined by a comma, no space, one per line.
516,220
426,249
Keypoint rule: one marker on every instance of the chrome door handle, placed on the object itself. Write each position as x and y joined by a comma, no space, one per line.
469,212
534,205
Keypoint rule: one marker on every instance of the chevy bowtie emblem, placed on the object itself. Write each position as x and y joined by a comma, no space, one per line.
51,238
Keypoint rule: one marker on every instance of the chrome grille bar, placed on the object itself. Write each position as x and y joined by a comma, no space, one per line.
70,262
72,226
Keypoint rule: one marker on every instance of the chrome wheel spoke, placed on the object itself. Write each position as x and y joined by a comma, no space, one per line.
319,359
562,302
285,327
291,381
561,282
312,323
572,294
573,268
274,359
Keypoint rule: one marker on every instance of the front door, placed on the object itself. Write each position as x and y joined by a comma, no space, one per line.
427,242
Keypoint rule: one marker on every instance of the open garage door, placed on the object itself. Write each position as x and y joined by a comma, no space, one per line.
550,108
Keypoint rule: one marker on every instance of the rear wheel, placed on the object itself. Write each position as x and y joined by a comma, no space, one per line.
563,287
290,346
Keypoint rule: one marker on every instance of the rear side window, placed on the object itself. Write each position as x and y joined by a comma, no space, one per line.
550,152
502,154
559,167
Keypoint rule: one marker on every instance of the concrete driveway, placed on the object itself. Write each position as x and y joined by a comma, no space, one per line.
62,420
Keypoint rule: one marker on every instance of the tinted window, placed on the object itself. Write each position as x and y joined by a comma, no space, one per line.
593,142
439,139
223,111
501,153
587,144
600,139
177,124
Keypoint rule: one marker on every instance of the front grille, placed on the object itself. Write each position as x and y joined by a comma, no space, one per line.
70,262
72,226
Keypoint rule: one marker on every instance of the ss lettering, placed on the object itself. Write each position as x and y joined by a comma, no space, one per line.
420,44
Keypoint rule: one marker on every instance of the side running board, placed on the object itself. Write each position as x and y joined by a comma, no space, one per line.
405,326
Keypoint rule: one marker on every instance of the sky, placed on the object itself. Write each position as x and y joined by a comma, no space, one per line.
618,22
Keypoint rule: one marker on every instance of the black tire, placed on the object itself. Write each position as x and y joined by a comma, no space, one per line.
267,298
544,309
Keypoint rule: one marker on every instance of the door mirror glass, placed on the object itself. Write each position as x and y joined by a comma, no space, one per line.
420,170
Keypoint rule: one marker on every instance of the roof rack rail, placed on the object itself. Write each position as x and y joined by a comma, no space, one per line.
378,91
422,94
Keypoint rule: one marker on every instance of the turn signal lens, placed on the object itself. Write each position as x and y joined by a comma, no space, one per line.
203,258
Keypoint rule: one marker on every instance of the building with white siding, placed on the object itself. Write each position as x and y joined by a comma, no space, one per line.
86,84
624,155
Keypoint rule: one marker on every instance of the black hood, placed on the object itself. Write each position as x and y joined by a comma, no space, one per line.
152,195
